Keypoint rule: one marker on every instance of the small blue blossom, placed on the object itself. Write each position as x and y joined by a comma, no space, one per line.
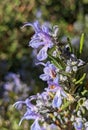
50,73
13,82
42,38
78,124
35,125
59,94
57,101
26,102
29,115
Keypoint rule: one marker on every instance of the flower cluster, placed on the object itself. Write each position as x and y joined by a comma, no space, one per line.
12,82
60,104
42,37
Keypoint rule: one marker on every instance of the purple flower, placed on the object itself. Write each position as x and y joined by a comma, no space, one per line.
78,125
35,125
45,96
31,112
12,80
50,73
59,94
57,101
26,102
42,38
29,115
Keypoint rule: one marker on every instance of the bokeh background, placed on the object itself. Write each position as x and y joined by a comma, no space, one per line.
19,77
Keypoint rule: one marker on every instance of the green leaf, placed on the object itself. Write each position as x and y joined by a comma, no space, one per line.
81,79
81,43
55,62
84,92
70,45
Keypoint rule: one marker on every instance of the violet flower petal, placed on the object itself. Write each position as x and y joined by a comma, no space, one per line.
78,125
35,125
35,25
35,43
42,55
44,77
29,115
57,101
46,29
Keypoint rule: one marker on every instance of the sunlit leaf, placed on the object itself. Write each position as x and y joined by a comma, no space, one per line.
81,43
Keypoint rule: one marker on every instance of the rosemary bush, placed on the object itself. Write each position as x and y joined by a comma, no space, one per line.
64,102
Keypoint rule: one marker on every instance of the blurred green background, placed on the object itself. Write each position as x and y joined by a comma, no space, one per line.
18,74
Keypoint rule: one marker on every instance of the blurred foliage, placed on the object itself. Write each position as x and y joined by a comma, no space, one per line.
15,56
